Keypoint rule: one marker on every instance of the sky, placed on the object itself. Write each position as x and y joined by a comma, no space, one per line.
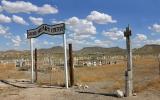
88,22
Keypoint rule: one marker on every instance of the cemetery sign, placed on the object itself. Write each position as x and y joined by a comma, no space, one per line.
57,29
46,29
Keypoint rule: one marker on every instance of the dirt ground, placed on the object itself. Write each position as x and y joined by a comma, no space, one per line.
94,83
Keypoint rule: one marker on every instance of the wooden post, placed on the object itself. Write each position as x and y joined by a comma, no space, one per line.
36,73
128,73
158,57
50,68
71,65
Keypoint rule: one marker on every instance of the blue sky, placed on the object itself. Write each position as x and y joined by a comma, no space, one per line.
89,22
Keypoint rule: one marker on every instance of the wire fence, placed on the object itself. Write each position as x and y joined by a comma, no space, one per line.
106,76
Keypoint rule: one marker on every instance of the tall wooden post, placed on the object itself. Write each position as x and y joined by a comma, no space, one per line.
158,57
36,73
50,66
128,72
71,65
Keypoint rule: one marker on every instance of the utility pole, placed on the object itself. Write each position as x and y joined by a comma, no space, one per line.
128,72
71,65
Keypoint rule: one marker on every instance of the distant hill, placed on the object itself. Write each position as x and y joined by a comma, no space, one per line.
101,50
148,49
58,51
53,50
91,50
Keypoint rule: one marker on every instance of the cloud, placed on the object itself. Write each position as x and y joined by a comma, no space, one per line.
25,35
27,7
36,21
81,26
77,44
156,41
47,9
54,21
78,37
45,42
140,37
19,20
79,31
4,19
102,43
92,37
3,30
16,40
114,34
18,7
1,9
100,18
155,28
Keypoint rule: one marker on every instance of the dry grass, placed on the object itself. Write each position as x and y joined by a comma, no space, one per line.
145,72
9,71
153,84
101,73
7,67
51,78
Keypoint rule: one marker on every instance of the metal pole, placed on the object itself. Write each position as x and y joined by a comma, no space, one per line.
32,69
71,65
65,60
128,73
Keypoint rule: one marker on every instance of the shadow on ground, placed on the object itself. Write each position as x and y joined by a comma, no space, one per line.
104,94
28,84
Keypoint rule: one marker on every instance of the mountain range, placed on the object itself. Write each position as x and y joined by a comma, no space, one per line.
58,50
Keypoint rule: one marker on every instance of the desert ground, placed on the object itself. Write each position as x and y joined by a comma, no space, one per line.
91,83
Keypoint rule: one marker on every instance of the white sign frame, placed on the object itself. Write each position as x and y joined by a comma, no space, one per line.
57,29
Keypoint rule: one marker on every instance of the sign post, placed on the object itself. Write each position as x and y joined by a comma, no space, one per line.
128,72
65,60
32,69
58,29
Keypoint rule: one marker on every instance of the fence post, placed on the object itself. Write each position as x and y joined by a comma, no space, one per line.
71,65
36,73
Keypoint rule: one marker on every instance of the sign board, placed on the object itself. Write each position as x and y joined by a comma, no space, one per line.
46,29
